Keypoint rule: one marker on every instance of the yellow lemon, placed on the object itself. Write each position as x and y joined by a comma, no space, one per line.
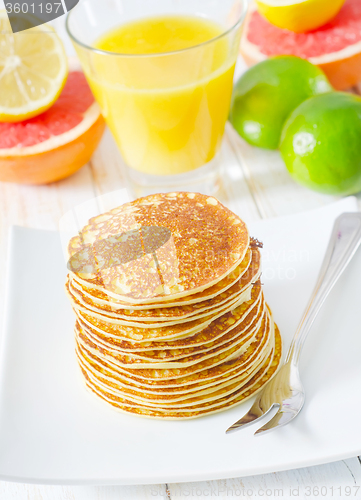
33,70
299,15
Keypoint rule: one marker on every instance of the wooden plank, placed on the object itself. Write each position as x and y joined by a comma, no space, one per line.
235,192
15,491
108,168
335,480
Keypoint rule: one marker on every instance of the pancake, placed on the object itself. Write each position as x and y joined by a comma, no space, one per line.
170,329
189,365
246,364
183,333
172,312
202,376
117,319
176,401
220,331
231,333
207,242
220,327
171,321
199,395
103,298
267,371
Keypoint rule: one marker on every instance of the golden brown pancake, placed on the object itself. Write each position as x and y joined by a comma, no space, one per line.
159,370
207,242
203,341
117,319
267,371
184,332
233,331
102,297
172,312
246,364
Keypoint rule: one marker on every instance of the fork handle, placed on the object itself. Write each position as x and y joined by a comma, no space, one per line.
344,241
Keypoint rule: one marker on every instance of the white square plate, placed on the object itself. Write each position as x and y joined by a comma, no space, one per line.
53,431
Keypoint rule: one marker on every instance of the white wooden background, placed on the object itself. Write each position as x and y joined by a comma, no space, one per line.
256,185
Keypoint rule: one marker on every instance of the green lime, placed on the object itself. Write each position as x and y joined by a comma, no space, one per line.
268,92
321,143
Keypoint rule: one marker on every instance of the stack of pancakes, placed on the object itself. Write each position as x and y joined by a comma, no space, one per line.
171,318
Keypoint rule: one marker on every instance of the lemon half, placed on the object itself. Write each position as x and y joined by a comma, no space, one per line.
299,15
33,70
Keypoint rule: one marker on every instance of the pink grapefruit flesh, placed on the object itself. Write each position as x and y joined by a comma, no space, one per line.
335,47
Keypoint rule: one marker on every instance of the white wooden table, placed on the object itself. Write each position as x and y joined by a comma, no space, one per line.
256,185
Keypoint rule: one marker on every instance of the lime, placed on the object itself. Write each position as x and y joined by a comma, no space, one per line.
321,143
268,92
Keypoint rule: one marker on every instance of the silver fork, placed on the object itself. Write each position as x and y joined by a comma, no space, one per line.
285,390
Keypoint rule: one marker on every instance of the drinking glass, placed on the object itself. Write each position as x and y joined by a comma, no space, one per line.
167,110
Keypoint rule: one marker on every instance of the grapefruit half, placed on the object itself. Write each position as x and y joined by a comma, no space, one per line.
335,47
56,143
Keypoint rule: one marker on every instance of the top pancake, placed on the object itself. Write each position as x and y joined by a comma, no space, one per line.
159,247
102,297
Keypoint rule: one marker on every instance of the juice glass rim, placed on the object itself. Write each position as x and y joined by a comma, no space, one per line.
157,54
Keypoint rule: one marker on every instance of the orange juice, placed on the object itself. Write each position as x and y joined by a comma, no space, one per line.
166,95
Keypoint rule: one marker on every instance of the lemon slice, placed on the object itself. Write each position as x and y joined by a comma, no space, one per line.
33,70
299,15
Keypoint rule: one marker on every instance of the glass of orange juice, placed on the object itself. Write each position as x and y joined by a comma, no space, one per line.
162,72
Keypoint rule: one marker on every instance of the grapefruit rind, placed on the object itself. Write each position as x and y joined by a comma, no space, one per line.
53,165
